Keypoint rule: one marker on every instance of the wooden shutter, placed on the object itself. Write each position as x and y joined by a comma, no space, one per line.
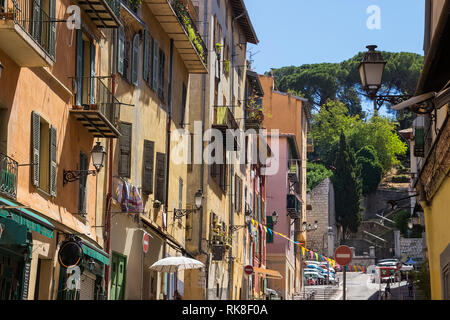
155,64
53,151
79,68
161,81
52,36
84,165
160,177
36,144
269,235
125,150
146,57
92,93
121,51
36,20
183,105
147,167
135,60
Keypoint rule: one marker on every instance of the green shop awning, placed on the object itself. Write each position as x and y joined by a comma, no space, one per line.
90,250
25,217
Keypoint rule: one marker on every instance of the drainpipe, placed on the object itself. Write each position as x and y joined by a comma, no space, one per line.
202,174
110,177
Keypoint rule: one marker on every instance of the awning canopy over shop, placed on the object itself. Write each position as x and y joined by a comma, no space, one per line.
25,217
270,274
92,251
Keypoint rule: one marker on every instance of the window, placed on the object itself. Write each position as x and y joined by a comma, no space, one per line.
85,69
125,150
147,58
84,165
219,171
269,235
127,52
44,145
155,64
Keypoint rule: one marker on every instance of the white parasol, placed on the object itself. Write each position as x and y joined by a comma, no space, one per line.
174,264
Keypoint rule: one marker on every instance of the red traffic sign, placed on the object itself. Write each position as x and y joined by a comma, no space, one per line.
145,242
248,269
343,255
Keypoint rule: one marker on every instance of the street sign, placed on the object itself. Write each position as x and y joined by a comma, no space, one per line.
248,269
145,242
343,255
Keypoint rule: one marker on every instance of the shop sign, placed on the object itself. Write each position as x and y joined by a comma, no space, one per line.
70,254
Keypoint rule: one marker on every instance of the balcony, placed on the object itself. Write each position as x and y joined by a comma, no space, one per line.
254,115
27,33
223,119
177,22
103,13
8,176
293,206
97,108
293,171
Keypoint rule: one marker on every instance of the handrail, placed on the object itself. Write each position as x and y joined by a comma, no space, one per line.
8,176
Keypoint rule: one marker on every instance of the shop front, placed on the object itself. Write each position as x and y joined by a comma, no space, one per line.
17,225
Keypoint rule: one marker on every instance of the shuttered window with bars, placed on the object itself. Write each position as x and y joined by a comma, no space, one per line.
147,167
125,150
44,154
160,177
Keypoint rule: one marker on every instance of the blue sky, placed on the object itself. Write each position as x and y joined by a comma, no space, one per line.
295,32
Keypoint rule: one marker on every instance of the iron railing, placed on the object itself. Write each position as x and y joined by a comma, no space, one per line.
8,176
185,19
94,94
115,6
34,20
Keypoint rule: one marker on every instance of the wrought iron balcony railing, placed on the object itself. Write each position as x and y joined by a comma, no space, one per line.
34,19
96,107
185,19
8,176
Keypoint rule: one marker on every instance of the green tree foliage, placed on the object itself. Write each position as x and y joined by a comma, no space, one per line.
371,170
341,81
377,132
315,174
347,188
421,279
401,222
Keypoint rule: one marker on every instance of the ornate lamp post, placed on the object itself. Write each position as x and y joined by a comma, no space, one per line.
98,154
371,71
180,213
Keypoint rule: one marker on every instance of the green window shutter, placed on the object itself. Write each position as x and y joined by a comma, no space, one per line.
147,167
155,64
419,142
125,150
92,93
160,177
146,57
135,60
118,277
52,36
84,165
79,68
36,145
53,152
120,51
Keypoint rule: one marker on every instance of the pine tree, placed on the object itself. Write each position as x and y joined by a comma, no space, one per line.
347,187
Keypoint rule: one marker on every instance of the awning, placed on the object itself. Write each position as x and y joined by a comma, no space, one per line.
92,251
27,218
270,274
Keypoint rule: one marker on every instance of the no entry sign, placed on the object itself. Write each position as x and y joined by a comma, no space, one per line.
248,269
145,242
343,255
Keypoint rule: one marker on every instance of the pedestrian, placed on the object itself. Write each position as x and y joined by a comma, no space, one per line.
410,287
177,295
387,291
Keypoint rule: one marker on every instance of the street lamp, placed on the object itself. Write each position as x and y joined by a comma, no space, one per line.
98,155
371,71
309,227
198,199
274,217
248,219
